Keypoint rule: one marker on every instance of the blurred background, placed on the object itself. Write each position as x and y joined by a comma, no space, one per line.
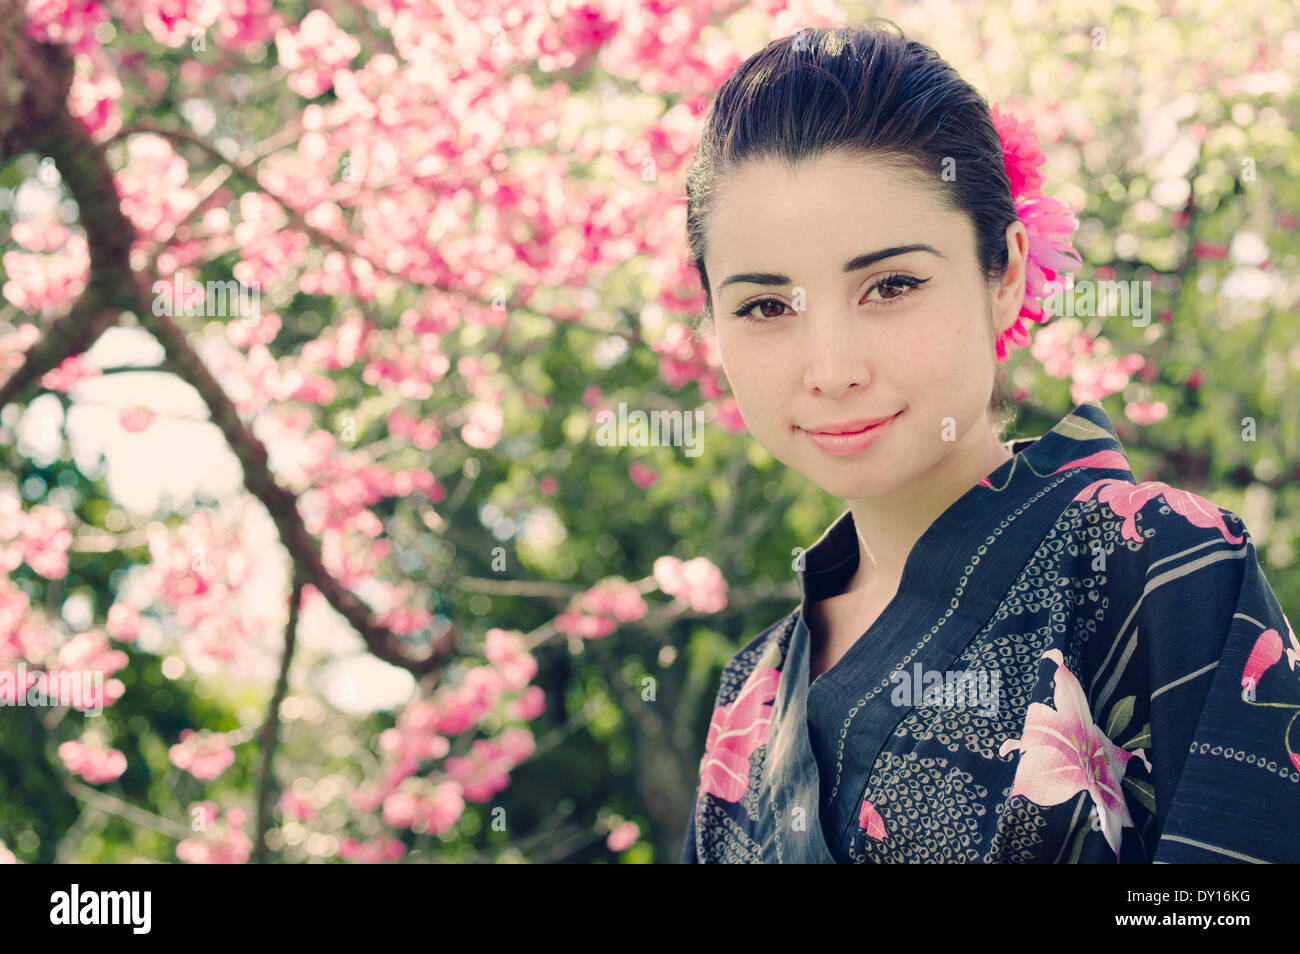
310,314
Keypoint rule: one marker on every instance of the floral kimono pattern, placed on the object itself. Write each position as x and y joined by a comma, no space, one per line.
1076,668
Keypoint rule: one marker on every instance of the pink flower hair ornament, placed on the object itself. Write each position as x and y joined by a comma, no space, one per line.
1048,221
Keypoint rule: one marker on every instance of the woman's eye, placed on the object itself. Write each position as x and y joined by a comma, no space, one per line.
898,287
744,311
892,288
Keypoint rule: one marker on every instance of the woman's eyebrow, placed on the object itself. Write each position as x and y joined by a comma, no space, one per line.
862,261
852,265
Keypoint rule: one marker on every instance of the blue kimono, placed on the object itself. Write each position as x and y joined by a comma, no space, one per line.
1075,669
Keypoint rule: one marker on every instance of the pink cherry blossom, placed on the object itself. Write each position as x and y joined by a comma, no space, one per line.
136,418
423,806
614,597
91,651
246,24
1102,377
380,849
40,235
155,192
484,427
68,374
459,708
1095,371
598,611
643,476
172,22
92,760
517,744
1063,752
197,571
483,772
571,623
728,417
216,840
530,704
410,746
509,655
1146,412
296,808
205,755
95,94
69,23
313,52
367,798
15,344
623,837
419,715
501,645
697,582
125,623
44,541
424,434
83,688
685,358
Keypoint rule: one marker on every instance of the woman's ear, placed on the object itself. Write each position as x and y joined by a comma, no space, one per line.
1010,293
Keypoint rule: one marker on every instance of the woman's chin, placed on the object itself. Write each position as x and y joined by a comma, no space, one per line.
855,481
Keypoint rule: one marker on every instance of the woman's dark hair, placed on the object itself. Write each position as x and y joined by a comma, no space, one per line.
859,90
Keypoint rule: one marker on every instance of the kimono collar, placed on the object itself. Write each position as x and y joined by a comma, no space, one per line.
1084,438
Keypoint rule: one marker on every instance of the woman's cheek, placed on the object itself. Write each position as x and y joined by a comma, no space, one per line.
747,365
952,351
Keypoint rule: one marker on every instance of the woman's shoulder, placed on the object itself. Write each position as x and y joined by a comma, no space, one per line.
1160,569
1156,521
1183,583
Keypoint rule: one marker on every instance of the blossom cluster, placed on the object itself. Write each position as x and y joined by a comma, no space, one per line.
1048,221
698,582
598,611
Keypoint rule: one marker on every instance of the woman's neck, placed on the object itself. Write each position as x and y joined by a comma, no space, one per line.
889,526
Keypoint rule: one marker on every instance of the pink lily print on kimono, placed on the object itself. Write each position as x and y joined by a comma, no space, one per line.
1063,752
1266,652
869,820
738,729
1126,499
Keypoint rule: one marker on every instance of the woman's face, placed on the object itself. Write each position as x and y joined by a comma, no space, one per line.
833,337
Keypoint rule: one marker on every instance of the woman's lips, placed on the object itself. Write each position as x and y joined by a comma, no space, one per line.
846,445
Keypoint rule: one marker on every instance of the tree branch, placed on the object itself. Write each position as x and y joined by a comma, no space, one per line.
34,81
115,806
272,724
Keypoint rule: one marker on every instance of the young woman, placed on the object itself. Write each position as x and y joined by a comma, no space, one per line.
1005,652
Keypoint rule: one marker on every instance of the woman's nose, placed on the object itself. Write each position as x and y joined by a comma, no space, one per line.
834,355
